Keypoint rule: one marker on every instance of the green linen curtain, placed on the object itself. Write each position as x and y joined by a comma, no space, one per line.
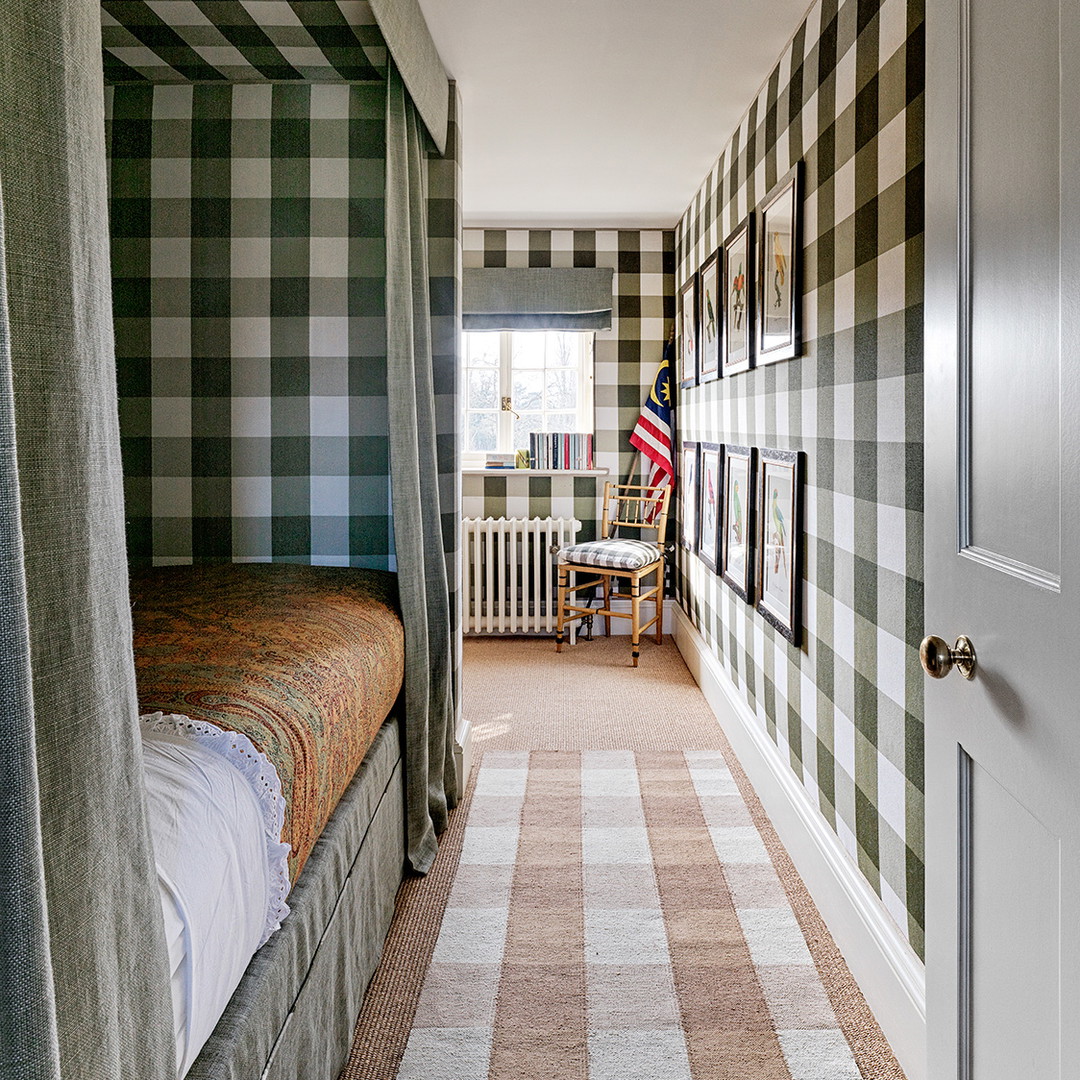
84,984
430,778
28,1043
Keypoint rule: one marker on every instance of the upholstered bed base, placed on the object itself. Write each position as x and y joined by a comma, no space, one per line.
292,1015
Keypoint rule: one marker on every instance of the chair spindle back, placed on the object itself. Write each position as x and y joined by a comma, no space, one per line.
634,505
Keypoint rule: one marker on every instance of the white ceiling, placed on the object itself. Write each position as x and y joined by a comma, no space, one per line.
600,112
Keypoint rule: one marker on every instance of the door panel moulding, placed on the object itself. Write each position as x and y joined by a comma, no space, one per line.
965,942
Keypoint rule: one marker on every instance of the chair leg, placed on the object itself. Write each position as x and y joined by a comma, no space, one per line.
563,576
660,606
635,617
607,605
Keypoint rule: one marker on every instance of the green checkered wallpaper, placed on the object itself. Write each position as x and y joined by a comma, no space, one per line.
248,262
234,41
625,358
847,708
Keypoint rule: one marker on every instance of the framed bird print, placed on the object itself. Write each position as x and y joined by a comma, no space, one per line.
779,540
688,491
709,502
736,540
709,319
688,333
779,313
738,286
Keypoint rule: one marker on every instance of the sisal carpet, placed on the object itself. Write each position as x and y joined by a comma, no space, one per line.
609,900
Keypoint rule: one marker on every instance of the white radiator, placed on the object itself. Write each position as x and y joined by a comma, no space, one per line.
508,574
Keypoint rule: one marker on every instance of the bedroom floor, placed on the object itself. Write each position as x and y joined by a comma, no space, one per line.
610,901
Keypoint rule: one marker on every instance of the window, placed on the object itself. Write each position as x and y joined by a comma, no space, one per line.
542,376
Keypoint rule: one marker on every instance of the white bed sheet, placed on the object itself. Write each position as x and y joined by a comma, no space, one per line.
211,852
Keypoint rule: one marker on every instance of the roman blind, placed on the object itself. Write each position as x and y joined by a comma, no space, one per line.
537,298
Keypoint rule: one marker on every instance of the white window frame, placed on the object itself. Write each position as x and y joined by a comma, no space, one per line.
471,459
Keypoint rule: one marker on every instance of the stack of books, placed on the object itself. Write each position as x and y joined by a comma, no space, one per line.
499,461
560,450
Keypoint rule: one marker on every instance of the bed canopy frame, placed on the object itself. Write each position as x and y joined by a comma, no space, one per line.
83,985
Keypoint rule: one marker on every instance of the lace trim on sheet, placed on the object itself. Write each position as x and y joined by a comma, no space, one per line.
240,751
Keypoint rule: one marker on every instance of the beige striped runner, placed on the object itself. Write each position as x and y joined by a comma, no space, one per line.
616,915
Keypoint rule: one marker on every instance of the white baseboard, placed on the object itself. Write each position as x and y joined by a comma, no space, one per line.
463,753
884,965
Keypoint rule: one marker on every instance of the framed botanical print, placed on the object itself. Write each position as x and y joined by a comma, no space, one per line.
738,286
688,333
779,540
710,322
779,315
688,490
709,503
737,530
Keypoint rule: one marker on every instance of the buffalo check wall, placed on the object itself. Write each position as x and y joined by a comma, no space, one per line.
846,709
625,358
184,41
248,271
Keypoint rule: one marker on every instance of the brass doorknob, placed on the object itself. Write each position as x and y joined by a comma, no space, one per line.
938,659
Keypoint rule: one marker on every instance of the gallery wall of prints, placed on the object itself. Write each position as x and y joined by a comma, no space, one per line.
249,301
845,707
625,358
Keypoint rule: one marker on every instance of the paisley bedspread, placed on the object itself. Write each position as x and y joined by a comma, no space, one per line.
306,661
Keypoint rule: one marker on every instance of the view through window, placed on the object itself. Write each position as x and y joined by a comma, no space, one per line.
518,382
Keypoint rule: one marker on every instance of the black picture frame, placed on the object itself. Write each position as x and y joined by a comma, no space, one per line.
710,472
779,306
739,285
710,319
687,333
779,540
688,495
738,537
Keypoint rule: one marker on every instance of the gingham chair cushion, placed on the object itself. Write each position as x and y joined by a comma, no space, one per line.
611,554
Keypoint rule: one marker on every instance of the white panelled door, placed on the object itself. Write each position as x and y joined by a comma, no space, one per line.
1003,538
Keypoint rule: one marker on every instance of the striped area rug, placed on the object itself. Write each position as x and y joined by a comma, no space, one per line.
616,915
609,900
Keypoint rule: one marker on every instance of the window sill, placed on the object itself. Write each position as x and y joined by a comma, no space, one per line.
478,471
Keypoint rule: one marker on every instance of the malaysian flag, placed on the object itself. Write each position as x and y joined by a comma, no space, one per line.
652,435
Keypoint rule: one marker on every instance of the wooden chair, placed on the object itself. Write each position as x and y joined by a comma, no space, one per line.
618,555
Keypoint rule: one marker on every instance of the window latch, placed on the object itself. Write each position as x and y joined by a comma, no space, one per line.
507,406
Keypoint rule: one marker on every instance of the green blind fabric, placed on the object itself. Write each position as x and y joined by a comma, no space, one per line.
537,298
430,778
109,966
